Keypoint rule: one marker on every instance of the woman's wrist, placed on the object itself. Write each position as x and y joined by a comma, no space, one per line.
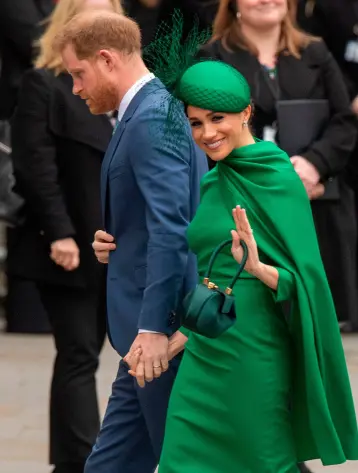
176,344
267,274
258,271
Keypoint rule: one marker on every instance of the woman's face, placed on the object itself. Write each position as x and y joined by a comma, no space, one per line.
216,133
262,13
97,5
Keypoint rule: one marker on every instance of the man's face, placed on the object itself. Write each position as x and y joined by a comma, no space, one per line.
92,81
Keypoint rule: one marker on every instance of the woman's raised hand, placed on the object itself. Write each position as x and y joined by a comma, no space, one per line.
244,233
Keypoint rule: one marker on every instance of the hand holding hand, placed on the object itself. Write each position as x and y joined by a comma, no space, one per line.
307,172
102,245
244,233
176,344
153,358
65,253
132,359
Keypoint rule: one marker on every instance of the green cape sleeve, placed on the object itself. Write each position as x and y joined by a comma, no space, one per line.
261,178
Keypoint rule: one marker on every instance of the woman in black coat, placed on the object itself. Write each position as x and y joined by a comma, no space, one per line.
282,63
58,148
337,23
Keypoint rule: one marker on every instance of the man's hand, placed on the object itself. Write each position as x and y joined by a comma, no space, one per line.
317,191
307,172
102,245
65,253
153,356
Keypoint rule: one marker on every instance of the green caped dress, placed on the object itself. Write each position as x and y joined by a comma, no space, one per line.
273,390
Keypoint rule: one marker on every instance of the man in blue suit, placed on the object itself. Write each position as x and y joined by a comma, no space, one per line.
150,191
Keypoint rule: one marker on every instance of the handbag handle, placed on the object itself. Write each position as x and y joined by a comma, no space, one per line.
213,257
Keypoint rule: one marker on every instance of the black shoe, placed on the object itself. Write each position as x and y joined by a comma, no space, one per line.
303,468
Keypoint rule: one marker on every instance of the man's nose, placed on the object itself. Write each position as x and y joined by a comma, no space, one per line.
76,89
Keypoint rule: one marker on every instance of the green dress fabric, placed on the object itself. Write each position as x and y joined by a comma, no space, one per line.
271,391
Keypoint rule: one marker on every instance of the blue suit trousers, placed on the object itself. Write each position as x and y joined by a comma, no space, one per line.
132,432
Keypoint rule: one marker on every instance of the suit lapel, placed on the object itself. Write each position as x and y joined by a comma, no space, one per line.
117,135
147,89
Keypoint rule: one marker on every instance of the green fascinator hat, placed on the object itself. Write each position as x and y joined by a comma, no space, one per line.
213,85
207,84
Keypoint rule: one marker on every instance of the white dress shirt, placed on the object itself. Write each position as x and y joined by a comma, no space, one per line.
131,93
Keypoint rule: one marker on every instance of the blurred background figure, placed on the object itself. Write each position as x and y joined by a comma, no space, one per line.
301,101
20,24
57,151
336,21
149,14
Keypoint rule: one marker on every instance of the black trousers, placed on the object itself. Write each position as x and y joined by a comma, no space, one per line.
78,319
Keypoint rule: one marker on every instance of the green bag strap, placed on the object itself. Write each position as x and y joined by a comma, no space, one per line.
213,257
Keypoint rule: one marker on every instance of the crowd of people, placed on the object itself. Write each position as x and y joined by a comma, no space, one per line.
114,125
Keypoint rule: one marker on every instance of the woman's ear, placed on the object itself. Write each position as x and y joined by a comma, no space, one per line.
247,114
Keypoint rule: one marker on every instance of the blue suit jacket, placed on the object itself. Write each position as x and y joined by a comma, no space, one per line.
150,191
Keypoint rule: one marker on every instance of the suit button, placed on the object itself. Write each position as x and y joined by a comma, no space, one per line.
172,317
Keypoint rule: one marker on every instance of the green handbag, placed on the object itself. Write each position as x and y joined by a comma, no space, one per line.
208,310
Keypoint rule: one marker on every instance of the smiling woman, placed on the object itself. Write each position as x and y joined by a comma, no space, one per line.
218,134
239,403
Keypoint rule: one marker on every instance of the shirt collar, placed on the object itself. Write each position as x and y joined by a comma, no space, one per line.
131,93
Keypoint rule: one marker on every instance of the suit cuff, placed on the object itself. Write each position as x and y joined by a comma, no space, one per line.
142,330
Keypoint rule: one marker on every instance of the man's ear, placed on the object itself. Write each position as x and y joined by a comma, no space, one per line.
107,57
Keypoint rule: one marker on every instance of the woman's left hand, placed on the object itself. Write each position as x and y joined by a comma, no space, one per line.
244,233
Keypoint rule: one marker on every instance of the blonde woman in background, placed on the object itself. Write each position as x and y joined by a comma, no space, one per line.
58,147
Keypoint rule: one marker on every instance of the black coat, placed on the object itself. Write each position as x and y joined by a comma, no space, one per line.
20,25
314,76
203,11
149,19
58,147
336,22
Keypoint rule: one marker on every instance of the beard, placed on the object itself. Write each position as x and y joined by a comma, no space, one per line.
103,99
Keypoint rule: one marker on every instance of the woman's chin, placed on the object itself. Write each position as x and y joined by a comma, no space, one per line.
219,154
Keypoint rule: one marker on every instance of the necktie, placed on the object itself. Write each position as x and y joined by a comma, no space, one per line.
116,122
115,127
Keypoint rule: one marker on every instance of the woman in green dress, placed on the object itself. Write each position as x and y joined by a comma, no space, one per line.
272,390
